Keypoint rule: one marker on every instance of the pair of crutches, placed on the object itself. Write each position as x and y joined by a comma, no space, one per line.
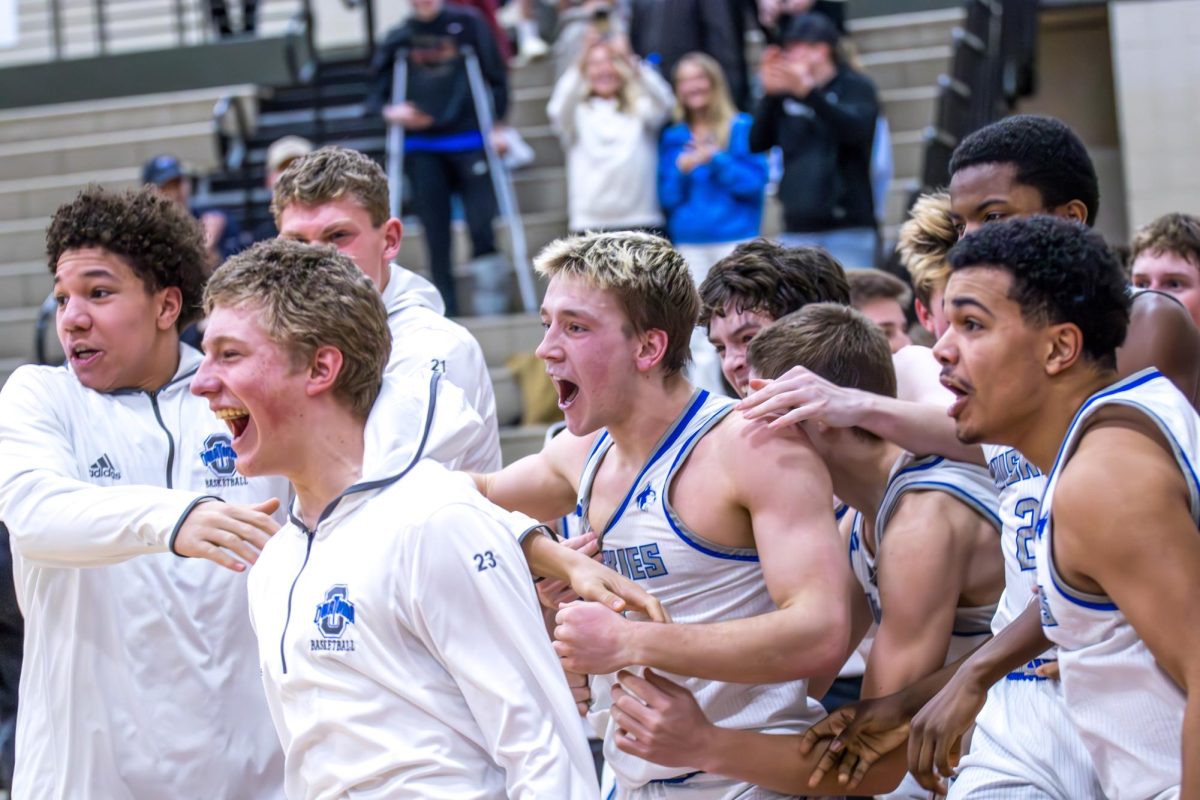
506,198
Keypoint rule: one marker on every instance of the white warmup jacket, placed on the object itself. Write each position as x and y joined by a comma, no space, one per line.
138,678
423,339
403,651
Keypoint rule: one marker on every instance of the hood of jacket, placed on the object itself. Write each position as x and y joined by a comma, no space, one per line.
407,289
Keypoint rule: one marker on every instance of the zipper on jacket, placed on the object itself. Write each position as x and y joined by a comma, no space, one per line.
287,620
170,439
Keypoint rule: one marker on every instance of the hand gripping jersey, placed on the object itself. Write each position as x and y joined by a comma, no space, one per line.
404,654
696,580
138,679
966,483
1128,711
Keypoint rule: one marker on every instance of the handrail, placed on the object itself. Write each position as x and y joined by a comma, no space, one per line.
300,30
231,147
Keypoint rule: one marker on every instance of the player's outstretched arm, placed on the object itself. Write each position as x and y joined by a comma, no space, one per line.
469,594
660,721
542,485
785,490
935,741
1149,575
590,579
800,395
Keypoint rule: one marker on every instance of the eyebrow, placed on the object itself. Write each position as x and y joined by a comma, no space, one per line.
218,340
94,272
989,202
742,328
964,302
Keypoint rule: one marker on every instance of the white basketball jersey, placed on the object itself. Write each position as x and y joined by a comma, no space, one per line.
695,579
1128,711
1020,485
966,483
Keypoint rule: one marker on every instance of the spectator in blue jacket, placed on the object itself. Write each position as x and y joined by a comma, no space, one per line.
709,183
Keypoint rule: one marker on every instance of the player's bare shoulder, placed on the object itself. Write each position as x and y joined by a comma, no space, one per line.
566,453
755,455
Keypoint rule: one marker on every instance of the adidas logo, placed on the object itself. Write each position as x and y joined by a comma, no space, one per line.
103,467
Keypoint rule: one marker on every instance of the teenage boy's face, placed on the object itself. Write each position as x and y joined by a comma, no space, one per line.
990,193
730,333
108,322
346,225
1171,274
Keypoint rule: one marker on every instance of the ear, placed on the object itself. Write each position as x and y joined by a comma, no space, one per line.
168,305
393,235
924,316
1074,210
1064,347
323,370
652,346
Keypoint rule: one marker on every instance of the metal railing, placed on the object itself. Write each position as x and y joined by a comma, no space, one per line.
992,66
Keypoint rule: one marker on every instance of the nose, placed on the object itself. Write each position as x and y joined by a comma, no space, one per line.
547,349
970,227
73,315
944,349
733,362
204,382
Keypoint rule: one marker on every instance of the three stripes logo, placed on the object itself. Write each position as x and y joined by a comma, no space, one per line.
103,467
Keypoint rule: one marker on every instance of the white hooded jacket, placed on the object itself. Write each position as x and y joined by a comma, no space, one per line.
401,644
422,338
138,678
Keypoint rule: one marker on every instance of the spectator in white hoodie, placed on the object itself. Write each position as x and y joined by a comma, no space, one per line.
608,111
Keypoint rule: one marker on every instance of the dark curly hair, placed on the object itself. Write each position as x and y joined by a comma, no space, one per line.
160,240
1062,273
1047,154
761,275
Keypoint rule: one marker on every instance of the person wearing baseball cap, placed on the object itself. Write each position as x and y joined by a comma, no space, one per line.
822,115
222,236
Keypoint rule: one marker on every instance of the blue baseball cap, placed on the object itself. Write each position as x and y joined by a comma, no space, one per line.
161,170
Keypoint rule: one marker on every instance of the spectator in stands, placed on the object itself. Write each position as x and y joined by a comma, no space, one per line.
821,113
444,148
775,15
218,11
578,22
1166,257
280,154
882,299
12,643
608,111
709,184
924,240
664,31
222,236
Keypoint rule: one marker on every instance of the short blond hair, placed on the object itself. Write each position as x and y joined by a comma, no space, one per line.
648,276
924,241
329,174
311,296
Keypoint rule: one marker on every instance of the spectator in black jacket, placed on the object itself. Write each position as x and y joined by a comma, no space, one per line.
443,146
822,115
664,31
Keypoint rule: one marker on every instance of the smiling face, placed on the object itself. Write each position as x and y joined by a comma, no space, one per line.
991,358
693,87
590,351
346,225
1171,274
252,383
601,72
730,334
116,334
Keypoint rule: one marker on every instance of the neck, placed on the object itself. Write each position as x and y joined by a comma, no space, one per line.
653,409
163,363
860,474
1042,435
330,463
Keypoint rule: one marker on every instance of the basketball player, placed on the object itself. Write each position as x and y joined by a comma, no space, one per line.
339,197
1117,546
137,677
922,541
687,501
374,605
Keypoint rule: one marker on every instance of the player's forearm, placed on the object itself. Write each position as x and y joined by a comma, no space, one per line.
779,646
920,428
547,558
774,761
1019,643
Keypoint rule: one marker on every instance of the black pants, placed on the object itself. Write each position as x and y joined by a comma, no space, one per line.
436,178
219,11
12,639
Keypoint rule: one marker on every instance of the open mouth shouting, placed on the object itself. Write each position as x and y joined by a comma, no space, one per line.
236,418
567,392
960,391
83,356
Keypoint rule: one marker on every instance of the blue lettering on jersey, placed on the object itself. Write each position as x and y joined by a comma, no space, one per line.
1048,620
646,497
1010,467
636,563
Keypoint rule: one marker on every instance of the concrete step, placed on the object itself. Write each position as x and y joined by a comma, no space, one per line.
527,107
23,239
16,334
501,337
25,284
547,148
540,230
35,197
192,142
905,31
533,75
540,190
910,109
904,69
897,200
122,114
519,441
908,154
508,396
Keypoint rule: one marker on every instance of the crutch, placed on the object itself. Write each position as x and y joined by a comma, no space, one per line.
395,137
506,198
